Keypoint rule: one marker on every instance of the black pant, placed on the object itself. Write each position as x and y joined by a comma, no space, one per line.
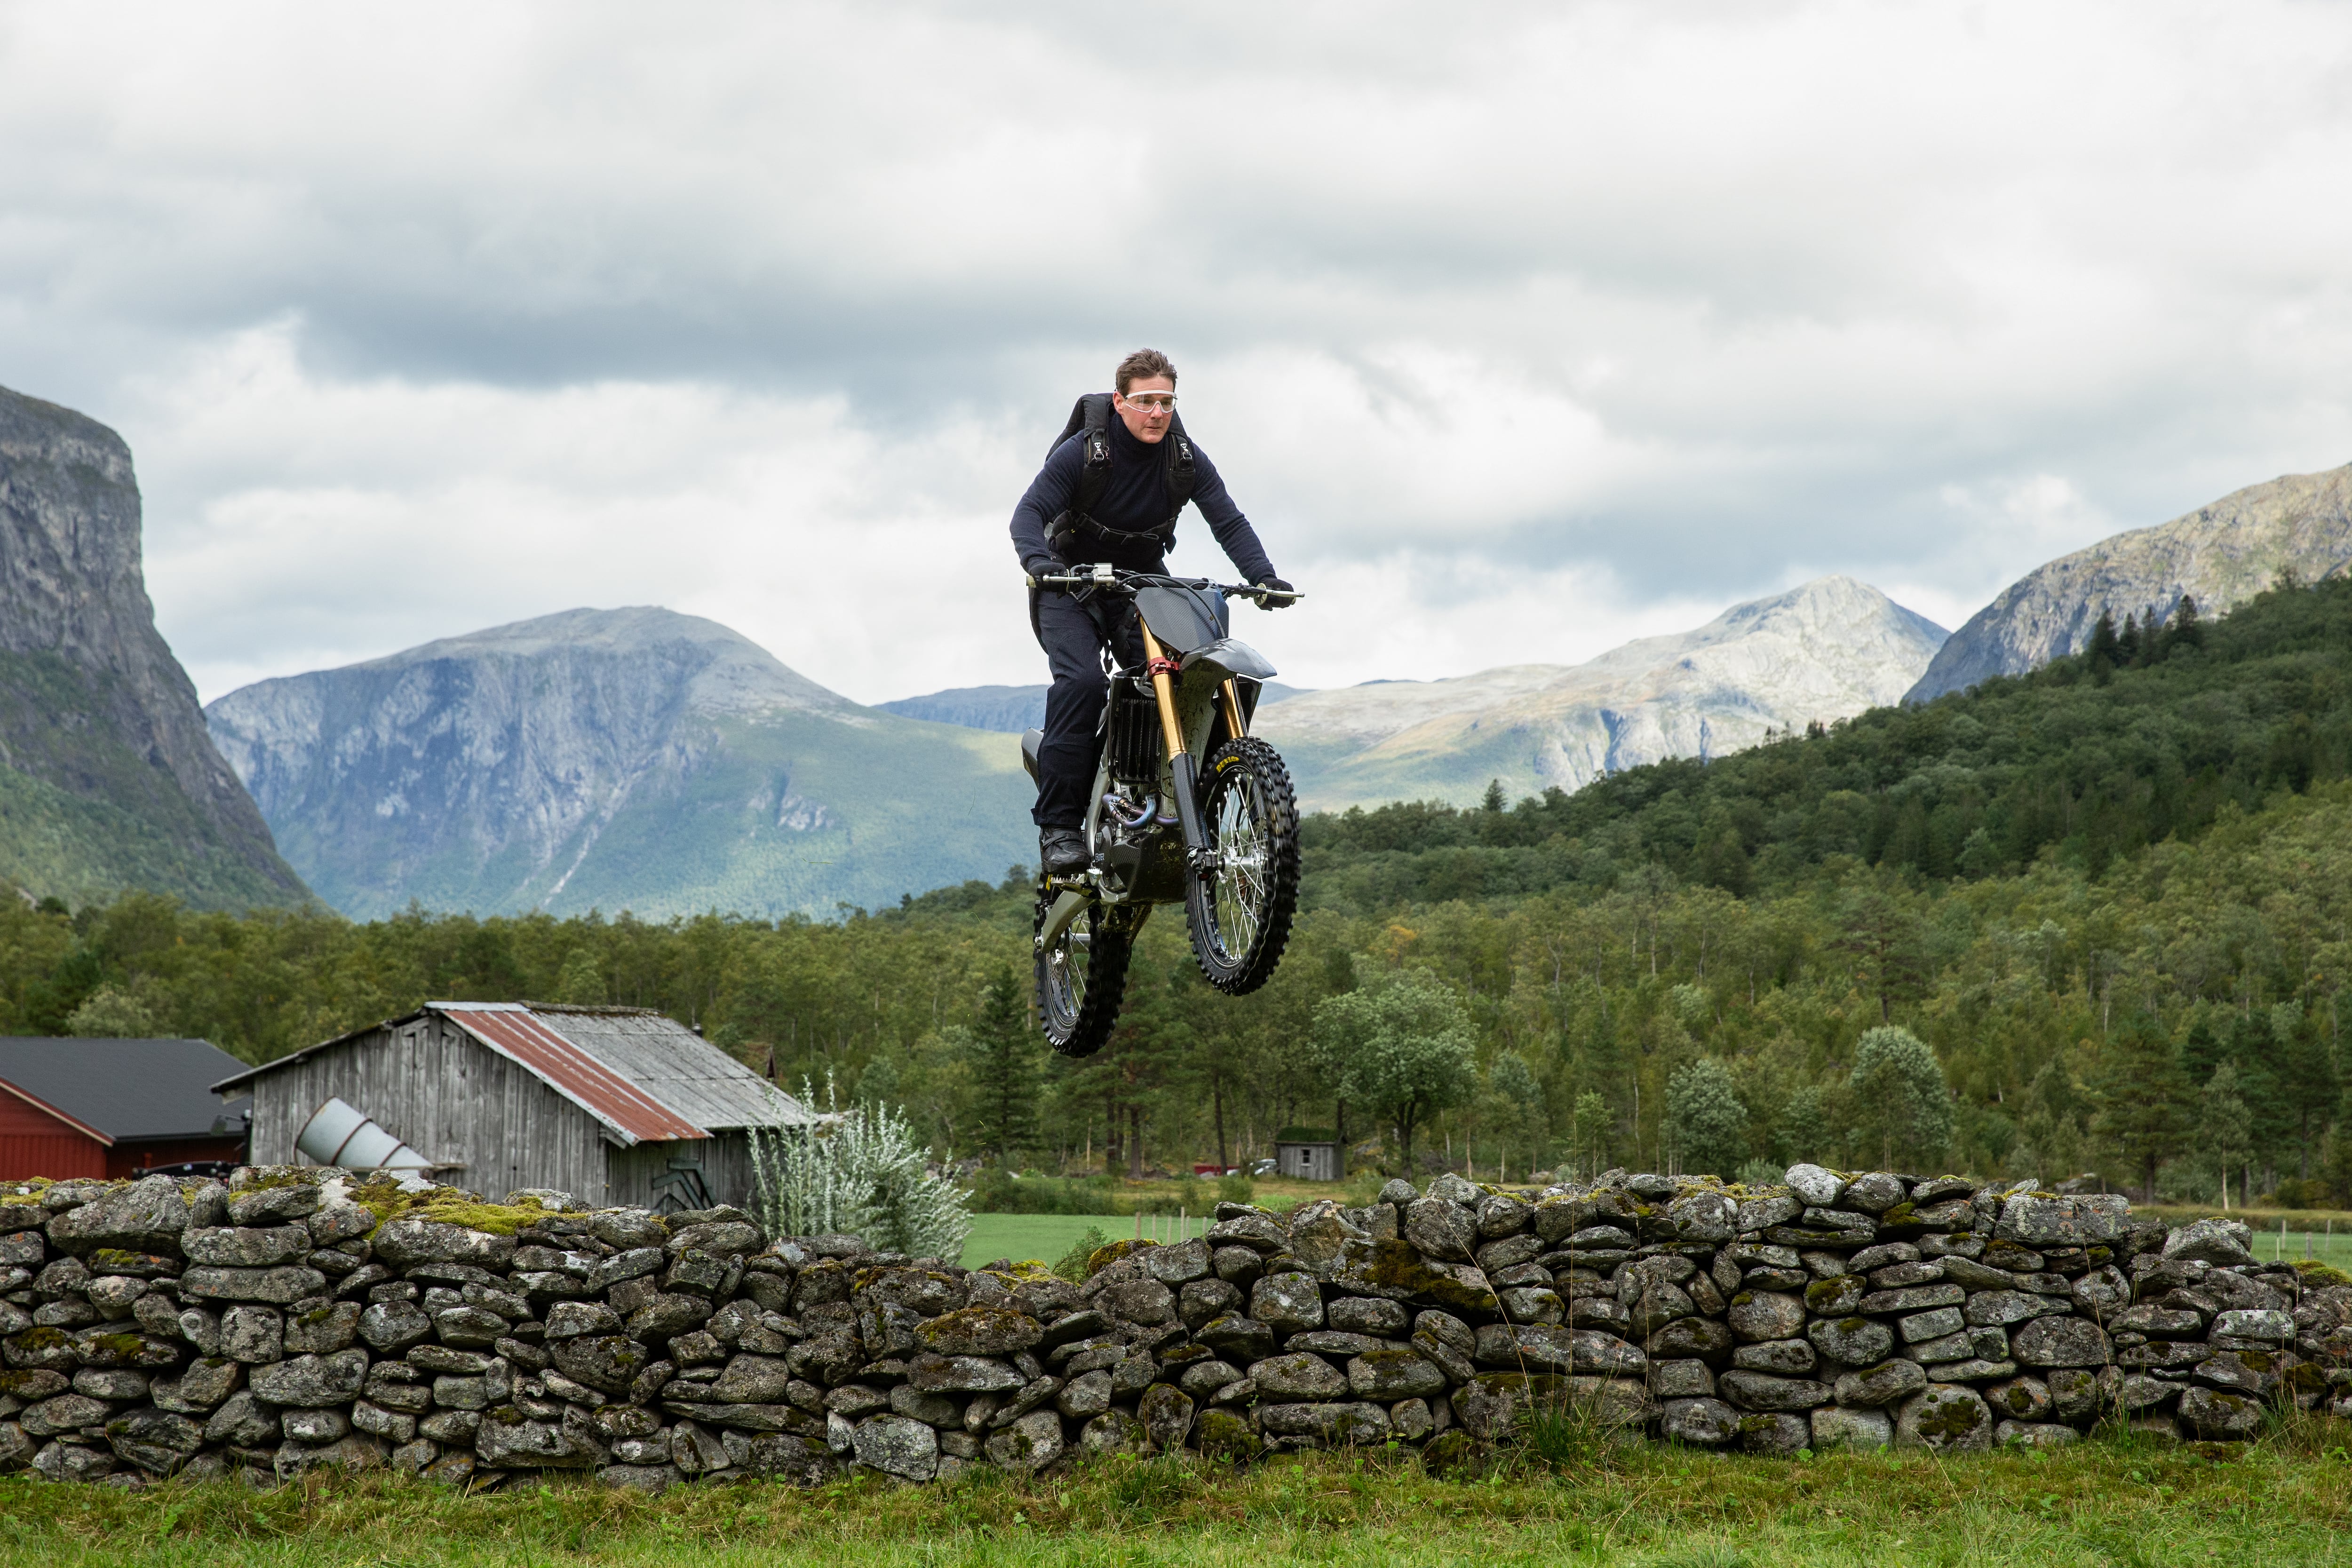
1074,703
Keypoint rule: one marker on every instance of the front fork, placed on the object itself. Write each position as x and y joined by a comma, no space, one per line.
1183,769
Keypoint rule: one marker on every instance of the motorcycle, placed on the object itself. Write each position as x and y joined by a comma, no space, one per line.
1186,807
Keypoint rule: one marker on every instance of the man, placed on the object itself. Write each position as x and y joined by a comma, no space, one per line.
1132,526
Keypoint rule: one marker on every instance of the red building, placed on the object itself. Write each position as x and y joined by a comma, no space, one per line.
114,1108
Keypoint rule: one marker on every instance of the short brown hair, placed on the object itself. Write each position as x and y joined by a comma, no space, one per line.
1141,364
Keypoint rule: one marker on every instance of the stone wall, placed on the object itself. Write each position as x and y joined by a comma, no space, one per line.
281,1323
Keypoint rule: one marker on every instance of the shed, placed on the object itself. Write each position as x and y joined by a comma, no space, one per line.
614,1105
107,1109
1306,1153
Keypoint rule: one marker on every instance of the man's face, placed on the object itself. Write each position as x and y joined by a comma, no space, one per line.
1146,406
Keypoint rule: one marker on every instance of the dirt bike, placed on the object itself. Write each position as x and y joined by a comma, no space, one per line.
1186,807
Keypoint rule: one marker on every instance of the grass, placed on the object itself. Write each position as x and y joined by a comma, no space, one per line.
2285,1500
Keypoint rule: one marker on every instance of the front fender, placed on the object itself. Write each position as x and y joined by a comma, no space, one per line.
1230,656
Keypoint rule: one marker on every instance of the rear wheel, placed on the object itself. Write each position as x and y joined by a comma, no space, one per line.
1082,979
1240,916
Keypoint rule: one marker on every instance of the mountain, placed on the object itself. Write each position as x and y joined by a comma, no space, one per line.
108,780
1823,651
632,759
1011,709
2221,555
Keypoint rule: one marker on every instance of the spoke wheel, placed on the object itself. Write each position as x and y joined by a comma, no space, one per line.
1240,917
1081,980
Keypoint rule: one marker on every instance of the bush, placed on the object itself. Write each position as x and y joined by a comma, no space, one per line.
1237,1188
858,1172
1072,1265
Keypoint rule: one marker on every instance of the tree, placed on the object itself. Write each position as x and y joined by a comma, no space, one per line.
1002,1066
1588,1134
1705,1119
1494,801
1402,1046
2143,1100
2224,1125
111,1014
1900,1098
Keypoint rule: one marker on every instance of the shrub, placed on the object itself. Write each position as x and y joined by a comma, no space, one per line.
860,1172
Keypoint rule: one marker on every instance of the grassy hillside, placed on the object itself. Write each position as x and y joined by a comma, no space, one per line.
905,805
100,818
2094,757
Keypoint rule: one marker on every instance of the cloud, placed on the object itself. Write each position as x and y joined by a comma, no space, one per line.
1515,330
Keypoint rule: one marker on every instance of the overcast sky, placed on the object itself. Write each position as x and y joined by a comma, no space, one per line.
1518,331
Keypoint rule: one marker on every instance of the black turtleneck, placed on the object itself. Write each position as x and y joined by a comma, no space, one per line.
1136,501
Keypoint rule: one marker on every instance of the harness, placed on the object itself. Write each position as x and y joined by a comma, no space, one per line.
1091,415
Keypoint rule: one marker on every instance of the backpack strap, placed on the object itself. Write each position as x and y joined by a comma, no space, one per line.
1180,477
1091,416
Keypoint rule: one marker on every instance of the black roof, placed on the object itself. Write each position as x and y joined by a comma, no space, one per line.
127,1089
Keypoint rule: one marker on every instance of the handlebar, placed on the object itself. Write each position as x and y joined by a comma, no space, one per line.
1102,575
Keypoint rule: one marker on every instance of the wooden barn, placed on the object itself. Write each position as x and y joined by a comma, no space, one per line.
613,1105
113,1108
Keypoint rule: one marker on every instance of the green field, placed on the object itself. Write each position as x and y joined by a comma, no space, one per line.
1046,1236
2286,1500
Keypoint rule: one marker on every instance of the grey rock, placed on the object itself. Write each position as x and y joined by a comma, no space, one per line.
1179,1264
118,1385
148,1215
242,1422
392,1327
1703,1421
278,1286
1856,1341
156,1441
403,1243
569,1319
2080,1396
1999,1309
2221,1416
2059,1341
1761,1391
1112,1432
293,1200
1770,1210
751,1380
1703,1216
2215,1241
1259,1232
1819,1188
323,1426
200,1387
1782,1358
1885,1383
70,1462
1029,1444
506,1439
64,1413
1368,1315
312,1381
606,1363
1681,1380
1204,1378
1758,1315
1340,1425
1237,1339
1921,1327
1778,1435
1873,1194
322,1328
962,1374
1441,1230
1945,1418
2254,1325
2019,1399
248,1248
896,1446
2034,1434
1300,1376
1836,1427
1392,1375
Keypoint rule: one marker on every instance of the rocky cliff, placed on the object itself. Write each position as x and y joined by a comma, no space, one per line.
1823,651
617,758
2220,554
108,779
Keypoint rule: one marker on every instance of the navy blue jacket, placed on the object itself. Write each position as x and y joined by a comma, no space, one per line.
1135,499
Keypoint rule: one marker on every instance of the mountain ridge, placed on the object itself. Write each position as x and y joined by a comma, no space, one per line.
1823,651
109,781
2220,554
635,758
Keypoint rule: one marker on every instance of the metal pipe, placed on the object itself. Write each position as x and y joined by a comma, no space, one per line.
338,1134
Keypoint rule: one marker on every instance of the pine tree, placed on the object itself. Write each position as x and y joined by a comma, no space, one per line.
1494,801
2144,1100
1002,1061
2104,642
1705,1119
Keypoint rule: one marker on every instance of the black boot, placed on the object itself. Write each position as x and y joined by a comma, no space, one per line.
1063,851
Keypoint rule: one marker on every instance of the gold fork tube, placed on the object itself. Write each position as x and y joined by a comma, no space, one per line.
1165,691
1232,694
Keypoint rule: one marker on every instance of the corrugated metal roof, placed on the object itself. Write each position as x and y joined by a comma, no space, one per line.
123,1088
676,1066
511,1029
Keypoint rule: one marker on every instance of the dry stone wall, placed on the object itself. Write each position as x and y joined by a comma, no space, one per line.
274,1326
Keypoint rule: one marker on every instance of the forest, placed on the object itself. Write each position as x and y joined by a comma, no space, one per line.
2088,919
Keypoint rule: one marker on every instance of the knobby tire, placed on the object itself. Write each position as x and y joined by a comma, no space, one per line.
1078,1025
1240,919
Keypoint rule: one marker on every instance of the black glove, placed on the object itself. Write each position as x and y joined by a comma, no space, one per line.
1279,586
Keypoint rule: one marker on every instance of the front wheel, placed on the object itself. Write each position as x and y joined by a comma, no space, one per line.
1240,914
1082,979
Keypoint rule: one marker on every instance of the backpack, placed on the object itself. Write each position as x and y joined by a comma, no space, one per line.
1091,414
